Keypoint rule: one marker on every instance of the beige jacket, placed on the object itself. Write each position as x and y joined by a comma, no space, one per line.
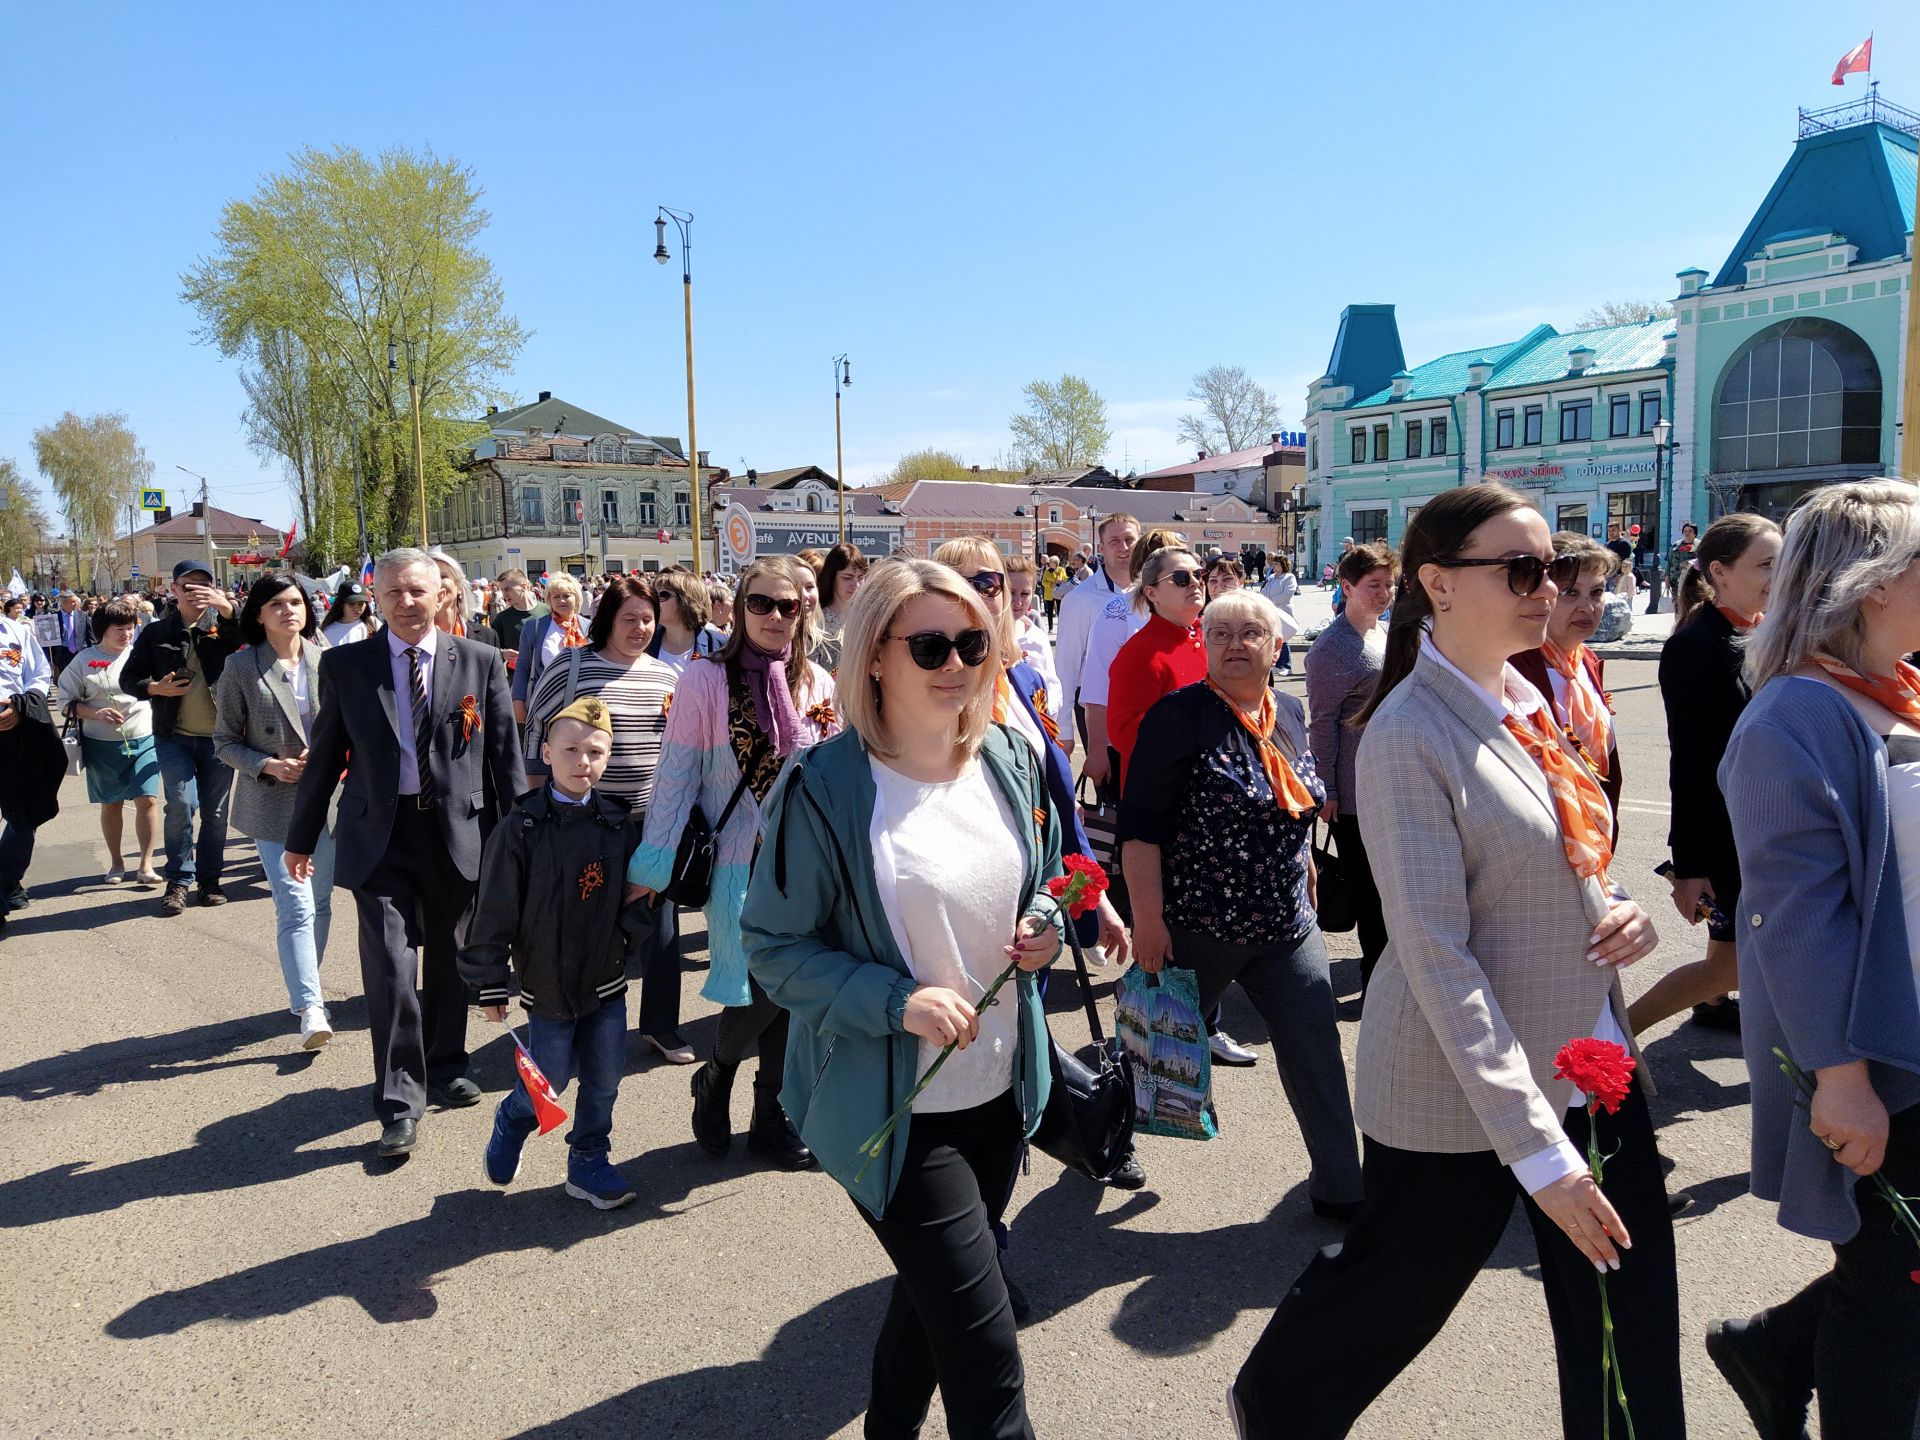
1486,973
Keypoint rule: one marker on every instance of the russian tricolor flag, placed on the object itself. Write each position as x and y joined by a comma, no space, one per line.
366,572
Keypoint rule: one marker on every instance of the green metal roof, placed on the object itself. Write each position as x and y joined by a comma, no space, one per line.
1441,379
1616,349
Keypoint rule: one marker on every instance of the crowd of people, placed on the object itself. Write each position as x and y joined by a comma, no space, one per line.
862,771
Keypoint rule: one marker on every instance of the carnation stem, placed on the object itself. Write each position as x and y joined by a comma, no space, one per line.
1609,1347
1901,1205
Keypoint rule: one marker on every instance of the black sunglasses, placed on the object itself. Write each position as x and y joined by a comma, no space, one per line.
988,582
1525,572
930,648
1182,578
766,605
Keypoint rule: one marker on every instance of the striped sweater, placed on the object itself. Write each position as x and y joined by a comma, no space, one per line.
638,695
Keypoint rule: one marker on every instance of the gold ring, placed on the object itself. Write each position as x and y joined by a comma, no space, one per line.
1830,1142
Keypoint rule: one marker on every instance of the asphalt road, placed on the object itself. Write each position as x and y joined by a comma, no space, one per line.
199,1242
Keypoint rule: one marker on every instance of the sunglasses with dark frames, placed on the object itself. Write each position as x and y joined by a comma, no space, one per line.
930,648
1181,578
988,582
1525,572
766,605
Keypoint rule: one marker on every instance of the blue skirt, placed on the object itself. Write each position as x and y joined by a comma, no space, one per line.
114,774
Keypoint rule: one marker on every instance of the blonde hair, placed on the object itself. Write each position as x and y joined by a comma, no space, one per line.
1155,540
1018,564
887,588
566,585
800,648
977,552
449,569
1153,569
1842,542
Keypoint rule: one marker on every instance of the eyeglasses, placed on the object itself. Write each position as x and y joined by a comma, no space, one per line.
1525,572
988,582
1182,578
766,605
930,648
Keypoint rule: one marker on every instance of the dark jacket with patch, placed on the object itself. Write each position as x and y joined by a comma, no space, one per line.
160,649
552,883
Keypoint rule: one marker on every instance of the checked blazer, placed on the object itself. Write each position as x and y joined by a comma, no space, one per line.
1486,975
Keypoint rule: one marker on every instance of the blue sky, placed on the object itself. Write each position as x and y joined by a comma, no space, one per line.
962,197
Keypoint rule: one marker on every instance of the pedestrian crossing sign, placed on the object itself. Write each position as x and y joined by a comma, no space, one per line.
153,499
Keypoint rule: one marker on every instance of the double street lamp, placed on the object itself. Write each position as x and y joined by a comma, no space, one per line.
413,403
683,222
842,380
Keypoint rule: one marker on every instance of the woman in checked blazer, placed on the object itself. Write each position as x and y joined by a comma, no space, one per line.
1490,842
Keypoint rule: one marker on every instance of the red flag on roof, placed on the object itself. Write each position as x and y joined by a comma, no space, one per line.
546,1105
1858,60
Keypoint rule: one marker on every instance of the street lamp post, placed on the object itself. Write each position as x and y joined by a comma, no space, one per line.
1664,447
683,222
1037,498
413,404
842,379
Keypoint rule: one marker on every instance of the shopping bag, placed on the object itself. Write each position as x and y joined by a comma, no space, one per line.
1158,1020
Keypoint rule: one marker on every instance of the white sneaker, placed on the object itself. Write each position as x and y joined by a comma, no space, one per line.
315,1028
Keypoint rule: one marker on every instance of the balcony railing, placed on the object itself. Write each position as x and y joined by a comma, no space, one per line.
1869,110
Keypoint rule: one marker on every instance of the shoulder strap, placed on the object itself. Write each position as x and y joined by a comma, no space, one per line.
573,676
734,800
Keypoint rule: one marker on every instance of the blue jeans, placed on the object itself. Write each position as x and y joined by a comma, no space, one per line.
595,1048
303,911
194,778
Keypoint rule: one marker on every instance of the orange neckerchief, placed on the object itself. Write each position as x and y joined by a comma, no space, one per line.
570,633
1737,620
1586,820
1899,696
1587,715
1289,790
457,626
1002,698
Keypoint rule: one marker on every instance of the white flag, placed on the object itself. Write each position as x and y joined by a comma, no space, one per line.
16,586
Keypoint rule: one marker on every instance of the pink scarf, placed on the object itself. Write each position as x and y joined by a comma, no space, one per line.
773,712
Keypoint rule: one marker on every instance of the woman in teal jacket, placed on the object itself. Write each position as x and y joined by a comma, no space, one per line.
904,869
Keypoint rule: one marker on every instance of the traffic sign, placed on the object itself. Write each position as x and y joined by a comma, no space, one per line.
153,499
136,572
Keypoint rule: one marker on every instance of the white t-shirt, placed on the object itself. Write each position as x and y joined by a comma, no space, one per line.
949,869
347,632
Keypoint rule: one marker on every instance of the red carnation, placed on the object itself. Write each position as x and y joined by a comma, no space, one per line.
1600,1069
1080,889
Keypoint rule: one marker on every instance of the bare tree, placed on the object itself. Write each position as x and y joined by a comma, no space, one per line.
1064,424
1623,312
1236,411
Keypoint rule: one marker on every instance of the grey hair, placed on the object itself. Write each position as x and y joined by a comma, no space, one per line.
1843,541
1239,605
400,559
1153,570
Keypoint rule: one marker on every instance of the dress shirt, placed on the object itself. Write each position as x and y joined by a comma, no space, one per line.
1038,651
23,664
1077,612
403,702
1537,1171
74,629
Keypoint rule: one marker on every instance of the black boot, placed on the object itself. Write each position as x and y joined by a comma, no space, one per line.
773,1134
713,1107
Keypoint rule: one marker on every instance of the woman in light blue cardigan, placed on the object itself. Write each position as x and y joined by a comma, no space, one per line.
1822,779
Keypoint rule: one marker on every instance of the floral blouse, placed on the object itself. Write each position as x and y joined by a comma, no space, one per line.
1233,863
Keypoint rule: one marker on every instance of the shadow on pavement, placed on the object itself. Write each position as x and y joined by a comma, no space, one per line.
809,1383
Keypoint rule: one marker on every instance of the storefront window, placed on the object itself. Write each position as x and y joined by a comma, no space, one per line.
1804,393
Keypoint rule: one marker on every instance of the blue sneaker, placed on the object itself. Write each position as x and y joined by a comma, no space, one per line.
503,1150
593,1179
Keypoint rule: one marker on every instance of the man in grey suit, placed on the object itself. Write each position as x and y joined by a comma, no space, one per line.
422,722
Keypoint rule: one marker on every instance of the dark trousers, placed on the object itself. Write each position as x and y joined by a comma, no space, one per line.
16,839
1369,919
1288,985
1428,1226
1853,1335
949,1321
759,1024
660,969
16,853
415,898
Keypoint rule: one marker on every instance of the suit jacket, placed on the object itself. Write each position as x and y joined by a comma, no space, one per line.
1532,665
359,715
1705,695
1486,975
259,720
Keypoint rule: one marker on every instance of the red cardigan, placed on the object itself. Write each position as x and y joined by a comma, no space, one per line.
1158,660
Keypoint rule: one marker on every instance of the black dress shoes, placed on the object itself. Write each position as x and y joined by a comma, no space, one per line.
1740,1351
397,1139
455,1094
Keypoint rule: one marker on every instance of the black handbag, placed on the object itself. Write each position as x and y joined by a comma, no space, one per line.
692,878
1088,1122
1334,885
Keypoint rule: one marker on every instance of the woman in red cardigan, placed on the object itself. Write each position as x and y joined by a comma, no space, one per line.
1164,655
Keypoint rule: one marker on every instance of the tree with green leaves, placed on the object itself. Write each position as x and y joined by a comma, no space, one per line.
932,464
23,524
1236,411
1624,312
97,468
330,285
1063,425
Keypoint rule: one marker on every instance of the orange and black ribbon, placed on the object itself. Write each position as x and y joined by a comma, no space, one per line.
469,717
1049,727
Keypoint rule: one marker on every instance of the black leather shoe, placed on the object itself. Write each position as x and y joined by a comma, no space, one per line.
712,1087
19,899
1129,1175
456,1094
1719,1015
397,1139
212,895
1740,1351
773,1136
1341,1210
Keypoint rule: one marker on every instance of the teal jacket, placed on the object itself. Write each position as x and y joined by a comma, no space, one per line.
818,941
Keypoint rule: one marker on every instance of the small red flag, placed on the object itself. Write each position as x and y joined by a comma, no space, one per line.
1856,61
546,1105
288,545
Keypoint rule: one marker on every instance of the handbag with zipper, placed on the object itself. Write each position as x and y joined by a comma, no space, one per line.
1334,887
1088,1122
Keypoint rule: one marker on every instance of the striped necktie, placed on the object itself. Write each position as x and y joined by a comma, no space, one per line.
422,725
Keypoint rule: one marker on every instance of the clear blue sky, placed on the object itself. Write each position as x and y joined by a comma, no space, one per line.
964,197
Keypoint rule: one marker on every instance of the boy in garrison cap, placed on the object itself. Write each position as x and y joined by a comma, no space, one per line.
549,908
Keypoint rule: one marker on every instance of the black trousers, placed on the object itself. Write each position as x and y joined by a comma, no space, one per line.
416,899
759,1024
949,1322
1370,920
1361,1312
660,968
1853,1335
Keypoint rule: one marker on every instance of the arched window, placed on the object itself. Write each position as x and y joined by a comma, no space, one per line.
608,450
1802,393
813,502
